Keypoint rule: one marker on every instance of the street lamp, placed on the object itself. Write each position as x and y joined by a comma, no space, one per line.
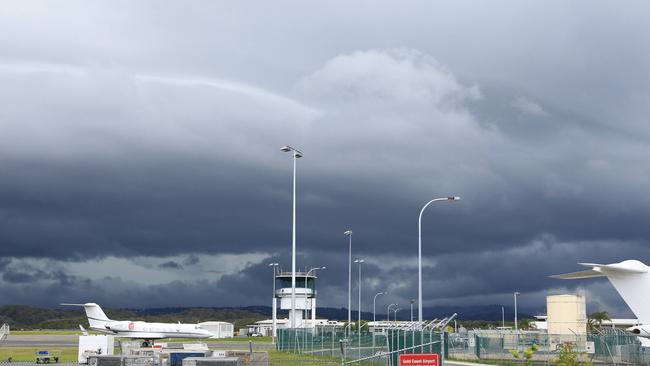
296,155
274,310
359,261
395,314
374,302
349,234
515,296
374,316
306,275
454,198
388,312
412,301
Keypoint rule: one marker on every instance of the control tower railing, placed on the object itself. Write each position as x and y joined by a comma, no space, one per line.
300,291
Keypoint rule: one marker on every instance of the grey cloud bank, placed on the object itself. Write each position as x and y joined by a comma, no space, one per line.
145,140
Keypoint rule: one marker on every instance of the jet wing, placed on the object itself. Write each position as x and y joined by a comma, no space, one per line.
630,266
590,273
602,270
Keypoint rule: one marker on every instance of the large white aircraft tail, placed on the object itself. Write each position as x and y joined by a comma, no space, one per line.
95,314
630,278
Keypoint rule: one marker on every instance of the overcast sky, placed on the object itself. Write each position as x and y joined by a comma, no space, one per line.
140,161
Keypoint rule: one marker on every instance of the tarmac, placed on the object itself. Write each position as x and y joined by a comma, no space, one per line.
72,340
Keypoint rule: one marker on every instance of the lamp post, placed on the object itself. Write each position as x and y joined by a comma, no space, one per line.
388,312
359,261
412,301
374,302
296,155
454,198
515,296
395,314
306,275
374,317
274,310
349,234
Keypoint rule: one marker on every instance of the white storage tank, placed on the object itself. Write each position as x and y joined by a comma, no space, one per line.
567,314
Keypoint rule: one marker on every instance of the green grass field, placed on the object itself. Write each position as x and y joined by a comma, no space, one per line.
45,332
69,354
291,359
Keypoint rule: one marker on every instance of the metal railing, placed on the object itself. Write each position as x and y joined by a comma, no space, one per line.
361,347
609,346
387,357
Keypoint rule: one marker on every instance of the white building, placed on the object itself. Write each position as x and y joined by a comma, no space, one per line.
265,327
219,329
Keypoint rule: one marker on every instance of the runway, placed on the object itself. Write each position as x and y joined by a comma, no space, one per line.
41,340
72,340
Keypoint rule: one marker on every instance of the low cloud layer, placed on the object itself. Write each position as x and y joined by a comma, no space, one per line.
133,166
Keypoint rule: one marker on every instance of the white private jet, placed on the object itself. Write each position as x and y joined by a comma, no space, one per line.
138,329
631,279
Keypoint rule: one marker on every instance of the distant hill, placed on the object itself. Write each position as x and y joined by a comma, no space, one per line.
478,312
27,317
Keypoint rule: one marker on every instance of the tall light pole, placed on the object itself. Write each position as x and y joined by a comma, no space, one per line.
412,301
388,312
515,296
349,234
374,302
454,198
296,155
274,310
374,316
359,261
306,275
395,314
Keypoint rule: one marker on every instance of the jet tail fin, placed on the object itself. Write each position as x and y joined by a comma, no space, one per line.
96,317
630,278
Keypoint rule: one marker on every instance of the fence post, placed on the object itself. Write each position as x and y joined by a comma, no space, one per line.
332,348
445,345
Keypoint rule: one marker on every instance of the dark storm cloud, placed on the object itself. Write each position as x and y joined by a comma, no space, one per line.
122,145
171,265
191,260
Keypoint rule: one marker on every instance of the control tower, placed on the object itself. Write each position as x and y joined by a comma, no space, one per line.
305,297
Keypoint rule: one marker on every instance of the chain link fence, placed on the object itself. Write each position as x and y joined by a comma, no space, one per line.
335,344
609,346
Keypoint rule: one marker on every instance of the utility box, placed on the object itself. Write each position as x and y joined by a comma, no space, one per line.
95,345
212,361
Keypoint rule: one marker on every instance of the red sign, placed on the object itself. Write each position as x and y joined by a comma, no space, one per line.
420,359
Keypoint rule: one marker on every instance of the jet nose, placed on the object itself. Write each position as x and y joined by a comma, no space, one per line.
208,333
